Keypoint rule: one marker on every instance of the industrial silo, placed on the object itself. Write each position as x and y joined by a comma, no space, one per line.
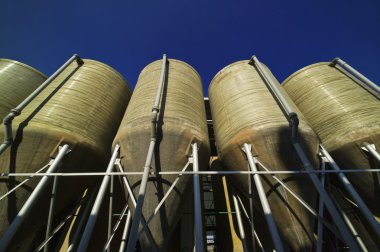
83,108
244,111
17,81
181,122
345,115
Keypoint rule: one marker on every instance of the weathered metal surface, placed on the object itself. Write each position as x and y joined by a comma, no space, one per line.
17,81
182,120
83,112
244,111
345,114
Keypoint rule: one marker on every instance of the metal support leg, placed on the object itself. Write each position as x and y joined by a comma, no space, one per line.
264,201
250,191
19,219
113,231
82,220
240,223
51,212
328,201
110,210
250,222
123,243
98,202
355,196
132,197
197,202
320,212
164,198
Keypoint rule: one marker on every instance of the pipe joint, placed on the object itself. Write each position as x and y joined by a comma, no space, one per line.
334,61
78,60
293,124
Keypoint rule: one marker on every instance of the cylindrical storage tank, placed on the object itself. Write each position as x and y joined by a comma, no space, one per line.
83,108
182,121
17,81
244,111
345,114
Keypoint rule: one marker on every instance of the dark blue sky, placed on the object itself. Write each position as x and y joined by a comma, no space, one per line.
129,34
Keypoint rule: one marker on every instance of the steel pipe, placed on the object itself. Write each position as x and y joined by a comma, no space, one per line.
371,149
367,214
240,223
356,73
72,174
264,201
31,201
198,222
320,212
97,204
51,212
8,136
132,197
275,91
148,162
123,243
81,221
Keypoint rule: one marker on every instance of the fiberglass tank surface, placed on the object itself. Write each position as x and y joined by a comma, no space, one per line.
83,108
17,81
345,114
182,121
244,111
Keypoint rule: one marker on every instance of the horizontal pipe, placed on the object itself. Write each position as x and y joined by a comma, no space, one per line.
8,138
97,204
356,73
73,174
31,201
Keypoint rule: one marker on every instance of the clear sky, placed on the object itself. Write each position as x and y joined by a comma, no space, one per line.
129,34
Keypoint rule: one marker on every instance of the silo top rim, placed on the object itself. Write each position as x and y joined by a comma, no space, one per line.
302,70
178,61
228,66
24,65
108,66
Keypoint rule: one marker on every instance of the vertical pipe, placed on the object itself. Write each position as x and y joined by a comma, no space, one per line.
264,201
320,212
240,223
252,225
197,202
97,204
110,210
356,73
31,201
51,213
148,162
125,232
